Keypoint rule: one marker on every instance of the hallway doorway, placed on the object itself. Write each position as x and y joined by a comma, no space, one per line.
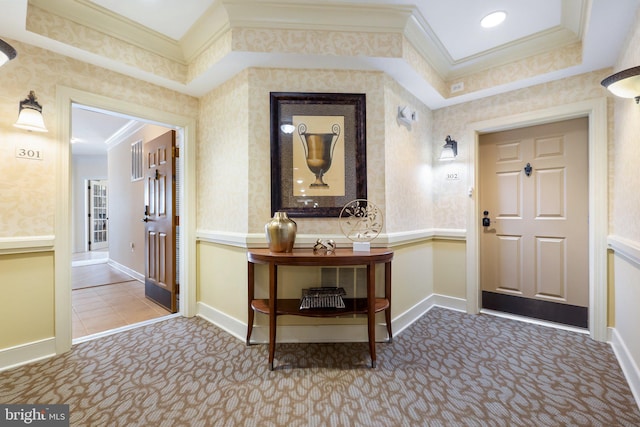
66,98
107,270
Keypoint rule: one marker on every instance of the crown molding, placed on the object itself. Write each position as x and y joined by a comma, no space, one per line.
569,31
299,15
208,29
90,15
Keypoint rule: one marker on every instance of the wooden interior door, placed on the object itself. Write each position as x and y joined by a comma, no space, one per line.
160,220
534,240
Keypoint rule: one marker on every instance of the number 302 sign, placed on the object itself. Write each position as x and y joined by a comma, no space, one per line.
29,153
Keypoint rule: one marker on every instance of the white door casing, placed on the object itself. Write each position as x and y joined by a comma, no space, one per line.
65,96
596,111
533,184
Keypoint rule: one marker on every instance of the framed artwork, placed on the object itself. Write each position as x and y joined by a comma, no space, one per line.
318,152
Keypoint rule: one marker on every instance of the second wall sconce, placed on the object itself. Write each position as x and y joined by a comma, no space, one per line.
449,149
30,115
625,84
406,116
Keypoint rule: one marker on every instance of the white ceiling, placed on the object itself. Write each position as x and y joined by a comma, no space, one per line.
451,30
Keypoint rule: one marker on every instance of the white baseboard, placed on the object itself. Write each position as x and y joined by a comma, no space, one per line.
628,365
126,270
27,353
225,322
327,333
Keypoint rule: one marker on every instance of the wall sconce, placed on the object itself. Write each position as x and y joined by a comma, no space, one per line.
406,116
7,53
625,84
449,149
30,115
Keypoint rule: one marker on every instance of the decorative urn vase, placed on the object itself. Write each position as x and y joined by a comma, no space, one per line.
281,233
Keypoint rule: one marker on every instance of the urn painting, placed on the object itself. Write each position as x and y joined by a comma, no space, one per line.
318,152
318,156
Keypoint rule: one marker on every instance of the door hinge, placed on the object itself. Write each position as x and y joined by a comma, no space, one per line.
176,152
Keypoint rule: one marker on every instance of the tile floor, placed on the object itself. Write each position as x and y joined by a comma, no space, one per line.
101,308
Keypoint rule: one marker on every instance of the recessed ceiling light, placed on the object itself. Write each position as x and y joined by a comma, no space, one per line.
493,19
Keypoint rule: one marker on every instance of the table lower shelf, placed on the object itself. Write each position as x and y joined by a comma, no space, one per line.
292,307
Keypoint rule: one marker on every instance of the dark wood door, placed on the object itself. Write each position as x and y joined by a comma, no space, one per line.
160,221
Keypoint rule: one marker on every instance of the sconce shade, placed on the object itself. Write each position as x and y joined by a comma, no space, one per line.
7,53
625,84
449,149
30,115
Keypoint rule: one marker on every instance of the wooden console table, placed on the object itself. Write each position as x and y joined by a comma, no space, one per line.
275,307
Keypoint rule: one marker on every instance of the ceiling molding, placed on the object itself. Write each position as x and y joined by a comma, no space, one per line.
90,15
122,134
423,38
208,29
298,15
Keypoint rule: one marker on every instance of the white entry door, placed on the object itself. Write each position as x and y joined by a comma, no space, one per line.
534,207
98,218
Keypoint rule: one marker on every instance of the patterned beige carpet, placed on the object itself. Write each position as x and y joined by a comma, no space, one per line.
448,369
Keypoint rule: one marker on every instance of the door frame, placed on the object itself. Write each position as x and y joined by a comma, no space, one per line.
596,111
65,97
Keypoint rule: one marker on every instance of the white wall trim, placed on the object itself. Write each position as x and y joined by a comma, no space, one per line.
25,244
596,110
126,270
327,333
258,240
626,248
225,322
24,354
629,367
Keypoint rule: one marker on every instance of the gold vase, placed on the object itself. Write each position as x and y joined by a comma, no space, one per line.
281,233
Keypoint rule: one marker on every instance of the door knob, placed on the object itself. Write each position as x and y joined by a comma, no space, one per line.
486,222
146,214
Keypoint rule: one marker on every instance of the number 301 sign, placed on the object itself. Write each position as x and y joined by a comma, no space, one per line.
29,153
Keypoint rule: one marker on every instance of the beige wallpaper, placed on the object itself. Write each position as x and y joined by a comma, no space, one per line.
66,31
234,158
27,187
408,175
223,157
315,42
626,175
543,63
450,197
264,81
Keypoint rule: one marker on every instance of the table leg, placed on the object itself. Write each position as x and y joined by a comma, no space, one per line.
250,292
371,311
273,297
387,295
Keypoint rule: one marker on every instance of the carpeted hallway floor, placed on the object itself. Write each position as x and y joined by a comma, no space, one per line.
447,369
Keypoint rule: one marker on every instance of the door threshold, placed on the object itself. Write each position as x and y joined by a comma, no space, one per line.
123,329
534,321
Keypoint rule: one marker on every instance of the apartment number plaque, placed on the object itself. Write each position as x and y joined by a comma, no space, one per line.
29,153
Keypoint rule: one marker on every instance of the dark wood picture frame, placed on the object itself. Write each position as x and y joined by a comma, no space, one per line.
339,117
